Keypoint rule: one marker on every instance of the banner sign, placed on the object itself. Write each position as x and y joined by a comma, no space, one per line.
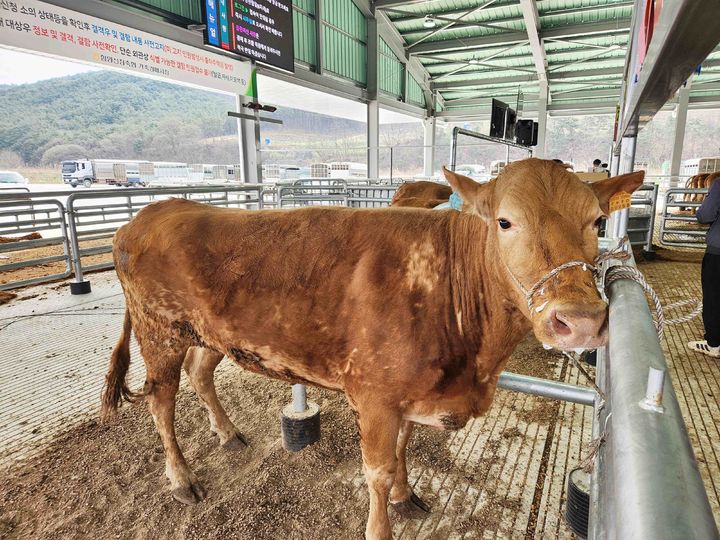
259,29
39,27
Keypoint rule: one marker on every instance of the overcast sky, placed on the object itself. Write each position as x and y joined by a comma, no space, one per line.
20,68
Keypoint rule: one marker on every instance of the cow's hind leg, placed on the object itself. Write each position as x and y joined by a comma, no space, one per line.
378,438
405,502
200,364
164,365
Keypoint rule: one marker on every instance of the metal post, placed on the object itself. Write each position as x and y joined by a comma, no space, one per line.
681,110
615,163
299,398
391,163
429,146
319,50
618,221
627,155
250,146
654,392
373,138
648,250
542,118
373,106
79,285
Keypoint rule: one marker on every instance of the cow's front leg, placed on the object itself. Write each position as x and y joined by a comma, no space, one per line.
200,364
405,502
378,437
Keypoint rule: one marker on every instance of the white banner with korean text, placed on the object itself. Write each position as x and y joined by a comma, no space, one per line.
44,28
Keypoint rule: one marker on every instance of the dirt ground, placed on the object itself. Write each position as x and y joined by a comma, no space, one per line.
107,481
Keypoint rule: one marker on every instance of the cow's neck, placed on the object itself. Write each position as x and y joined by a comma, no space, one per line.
483,301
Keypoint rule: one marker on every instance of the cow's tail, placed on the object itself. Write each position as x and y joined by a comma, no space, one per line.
116,388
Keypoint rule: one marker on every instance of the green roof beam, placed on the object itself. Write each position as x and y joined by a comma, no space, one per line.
451,23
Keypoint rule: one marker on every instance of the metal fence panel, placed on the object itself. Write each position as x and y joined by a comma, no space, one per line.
93,217
679,226
24,217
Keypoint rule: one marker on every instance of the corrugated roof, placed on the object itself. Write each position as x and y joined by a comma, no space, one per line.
474,53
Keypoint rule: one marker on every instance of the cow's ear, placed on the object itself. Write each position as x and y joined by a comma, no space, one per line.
476,197
605,189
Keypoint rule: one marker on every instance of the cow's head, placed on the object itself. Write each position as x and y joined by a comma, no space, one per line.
539,216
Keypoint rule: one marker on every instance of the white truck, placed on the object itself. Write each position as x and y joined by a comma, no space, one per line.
120,172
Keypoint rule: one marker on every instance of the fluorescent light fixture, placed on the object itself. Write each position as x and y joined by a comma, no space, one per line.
429,21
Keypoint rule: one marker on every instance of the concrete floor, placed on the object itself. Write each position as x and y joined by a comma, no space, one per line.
54,350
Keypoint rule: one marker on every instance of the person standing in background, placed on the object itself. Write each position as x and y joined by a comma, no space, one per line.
708,213
596,166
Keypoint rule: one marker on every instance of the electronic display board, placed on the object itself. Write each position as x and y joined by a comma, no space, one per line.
258,29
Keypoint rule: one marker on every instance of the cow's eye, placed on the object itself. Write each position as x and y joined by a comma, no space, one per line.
504,223
598,222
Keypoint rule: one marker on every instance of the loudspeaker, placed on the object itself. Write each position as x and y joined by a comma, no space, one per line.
524,132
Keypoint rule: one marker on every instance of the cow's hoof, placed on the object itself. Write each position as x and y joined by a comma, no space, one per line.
192,494
236,442
414,507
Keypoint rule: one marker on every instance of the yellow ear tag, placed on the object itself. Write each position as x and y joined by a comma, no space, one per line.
620,201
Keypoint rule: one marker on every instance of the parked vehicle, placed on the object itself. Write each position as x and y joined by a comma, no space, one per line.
12,179
694,166
119,172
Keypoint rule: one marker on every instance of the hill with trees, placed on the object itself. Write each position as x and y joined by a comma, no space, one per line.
106,114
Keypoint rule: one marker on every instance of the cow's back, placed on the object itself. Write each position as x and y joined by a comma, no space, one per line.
421,194
301,288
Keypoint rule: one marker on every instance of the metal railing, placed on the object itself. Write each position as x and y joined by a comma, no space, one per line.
678,225
312,192
22,218
370,196
475,135
641,222
94,216
645,463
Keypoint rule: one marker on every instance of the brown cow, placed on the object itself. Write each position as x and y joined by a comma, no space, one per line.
421,194
412,314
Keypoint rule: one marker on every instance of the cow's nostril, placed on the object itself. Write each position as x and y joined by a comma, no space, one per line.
559,326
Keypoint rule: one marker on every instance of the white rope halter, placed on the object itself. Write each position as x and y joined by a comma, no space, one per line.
620,252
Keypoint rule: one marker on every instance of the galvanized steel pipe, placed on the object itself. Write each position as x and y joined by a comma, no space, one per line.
646,480
545,388
299,398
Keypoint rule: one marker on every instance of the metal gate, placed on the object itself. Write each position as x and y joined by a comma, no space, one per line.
679,226
45,245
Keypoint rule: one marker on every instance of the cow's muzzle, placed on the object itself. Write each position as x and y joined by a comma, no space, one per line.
574,326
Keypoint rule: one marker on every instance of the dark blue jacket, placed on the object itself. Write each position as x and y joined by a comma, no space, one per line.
708,213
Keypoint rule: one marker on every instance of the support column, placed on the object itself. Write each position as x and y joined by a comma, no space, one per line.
373,106
618,221
429,146
627,155
615,162
542,118
249,135
373,138
679,133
